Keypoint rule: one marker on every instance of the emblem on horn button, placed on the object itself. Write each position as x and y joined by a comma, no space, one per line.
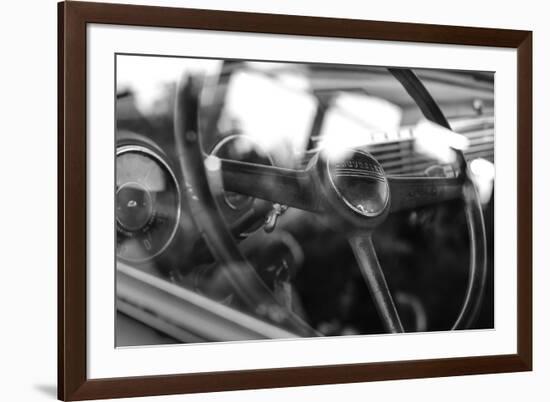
359,181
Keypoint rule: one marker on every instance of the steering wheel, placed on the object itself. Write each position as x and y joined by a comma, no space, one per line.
351,189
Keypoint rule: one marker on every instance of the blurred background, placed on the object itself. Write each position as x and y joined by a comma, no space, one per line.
282,114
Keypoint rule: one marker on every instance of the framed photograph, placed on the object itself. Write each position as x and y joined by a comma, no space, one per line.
253,200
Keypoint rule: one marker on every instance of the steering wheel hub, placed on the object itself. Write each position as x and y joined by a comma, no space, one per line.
350,189
359,181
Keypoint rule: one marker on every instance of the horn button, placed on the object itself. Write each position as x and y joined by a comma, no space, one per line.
358,181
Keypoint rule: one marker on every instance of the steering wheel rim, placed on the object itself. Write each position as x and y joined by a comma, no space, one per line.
208,217
244,278
477,275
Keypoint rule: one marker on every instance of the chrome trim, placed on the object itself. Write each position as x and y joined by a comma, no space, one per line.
184,314
349,204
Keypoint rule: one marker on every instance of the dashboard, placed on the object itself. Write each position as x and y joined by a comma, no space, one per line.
284,116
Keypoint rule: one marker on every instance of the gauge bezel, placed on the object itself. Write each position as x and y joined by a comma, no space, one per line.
123,149
218,147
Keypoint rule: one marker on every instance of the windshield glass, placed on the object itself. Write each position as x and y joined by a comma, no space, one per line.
292,116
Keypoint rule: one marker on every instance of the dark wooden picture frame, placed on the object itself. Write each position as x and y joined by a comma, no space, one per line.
73,383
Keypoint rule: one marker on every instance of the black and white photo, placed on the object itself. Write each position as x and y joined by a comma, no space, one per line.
258,200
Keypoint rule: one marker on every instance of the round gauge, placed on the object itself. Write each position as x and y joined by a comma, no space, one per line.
241,148
147,201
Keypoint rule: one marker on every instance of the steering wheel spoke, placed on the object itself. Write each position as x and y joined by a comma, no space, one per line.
294,188
412,192
351,189
365,254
